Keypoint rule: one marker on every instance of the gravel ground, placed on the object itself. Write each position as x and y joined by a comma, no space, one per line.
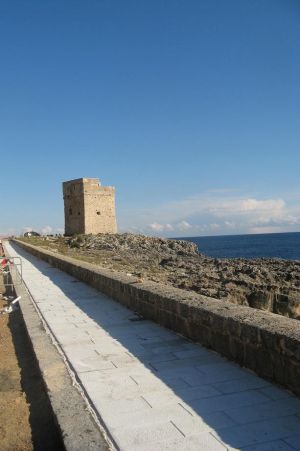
26,421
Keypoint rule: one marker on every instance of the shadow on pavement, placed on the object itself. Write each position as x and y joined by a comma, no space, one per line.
240,408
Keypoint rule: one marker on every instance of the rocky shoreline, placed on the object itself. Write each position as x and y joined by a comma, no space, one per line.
266,284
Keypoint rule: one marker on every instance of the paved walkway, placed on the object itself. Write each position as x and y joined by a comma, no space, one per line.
153,389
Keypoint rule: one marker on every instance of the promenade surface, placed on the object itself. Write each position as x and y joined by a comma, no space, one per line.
153,389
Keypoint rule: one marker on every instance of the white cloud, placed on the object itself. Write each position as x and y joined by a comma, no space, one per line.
244,206
46,230
220,212
214,227
230,224
157,227
183,226
262,229
169,227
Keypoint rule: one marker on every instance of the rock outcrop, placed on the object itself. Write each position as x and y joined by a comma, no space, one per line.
266,284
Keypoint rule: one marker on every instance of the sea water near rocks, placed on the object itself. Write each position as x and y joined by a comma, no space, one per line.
278,245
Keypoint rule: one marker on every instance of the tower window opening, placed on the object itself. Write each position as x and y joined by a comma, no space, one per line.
70,211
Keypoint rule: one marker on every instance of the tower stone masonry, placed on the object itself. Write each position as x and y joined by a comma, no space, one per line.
89,207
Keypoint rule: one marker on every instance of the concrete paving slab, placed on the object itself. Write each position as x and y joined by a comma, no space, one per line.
174,413
275,393
277,445
187,362
263,431
204,441
211,374
293,441
190,424
91,364
151,388
142,436
221,403
248,383
172,382
274,409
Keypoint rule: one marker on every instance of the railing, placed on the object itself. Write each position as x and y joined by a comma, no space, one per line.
11,268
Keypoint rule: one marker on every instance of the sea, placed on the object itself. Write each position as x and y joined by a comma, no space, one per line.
275,245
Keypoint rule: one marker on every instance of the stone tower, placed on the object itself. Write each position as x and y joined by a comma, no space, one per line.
89,207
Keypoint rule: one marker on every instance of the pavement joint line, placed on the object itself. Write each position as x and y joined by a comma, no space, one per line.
284,440
177,428
144,399
215,436
134,380
187,410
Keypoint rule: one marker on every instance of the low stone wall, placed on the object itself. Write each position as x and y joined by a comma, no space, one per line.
264,342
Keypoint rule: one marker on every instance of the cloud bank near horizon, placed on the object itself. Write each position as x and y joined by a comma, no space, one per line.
46,230
217,212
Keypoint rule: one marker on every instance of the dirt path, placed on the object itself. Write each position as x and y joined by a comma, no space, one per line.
26,421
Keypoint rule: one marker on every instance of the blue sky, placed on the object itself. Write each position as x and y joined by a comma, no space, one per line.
191,109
